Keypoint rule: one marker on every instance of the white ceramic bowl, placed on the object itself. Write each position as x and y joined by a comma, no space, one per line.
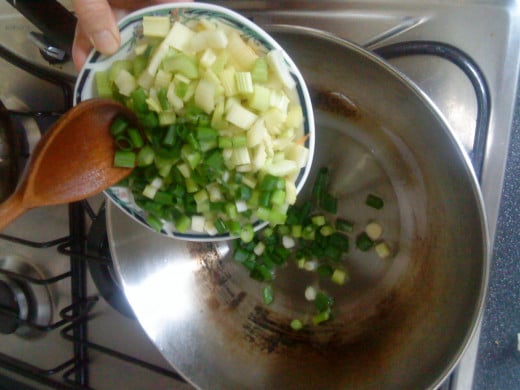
131,31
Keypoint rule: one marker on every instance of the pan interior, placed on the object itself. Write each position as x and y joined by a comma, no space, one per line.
164,276
399,322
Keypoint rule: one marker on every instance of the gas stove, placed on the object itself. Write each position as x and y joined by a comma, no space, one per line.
75,328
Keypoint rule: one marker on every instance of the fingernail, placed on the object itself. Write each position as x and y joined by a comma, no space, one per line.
105,42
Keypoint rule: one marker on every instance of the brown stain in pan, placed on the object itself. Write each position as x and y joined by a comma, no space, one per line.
359,341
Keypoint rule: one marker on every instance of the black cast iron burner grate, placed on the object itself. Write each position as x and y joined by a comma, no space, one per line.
74,319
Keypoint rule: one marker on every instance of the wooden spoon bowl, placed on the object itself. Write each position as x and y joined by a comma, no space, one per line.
72,161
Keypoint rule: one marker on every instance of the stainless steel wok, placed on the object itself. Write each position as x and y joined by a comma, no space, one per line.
400,323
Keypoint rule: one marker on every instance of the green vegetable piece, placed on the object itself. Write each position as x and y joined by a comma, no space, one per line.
374,201
117,66
319,220
139,100
271,183
332,253
247,233
123,142
329,203
339,241
240,255
260,71
145,156
321,317
268,294
118,126
183,223
325,270
344,225
135,137
183,64
124,159
220,225
243,192
154,222
261,273
103,84
363,242
170,135
296,324
323,302
320,184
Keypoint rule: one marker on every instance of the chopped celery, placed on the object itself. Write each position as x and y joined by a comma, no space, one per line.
103,84
156,26
216,129
243,82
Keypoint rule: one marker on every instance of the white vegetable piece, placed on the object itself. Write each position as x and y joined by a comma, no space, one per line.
198,223
240,116
156,26
310,265
259,248
382,249
179,37
310,293
125,82
209,227
205,95
256,134
277,63
288,242
374,230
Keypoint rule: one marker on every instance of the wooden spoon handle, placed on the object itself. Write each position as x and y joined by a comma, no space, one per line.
11,209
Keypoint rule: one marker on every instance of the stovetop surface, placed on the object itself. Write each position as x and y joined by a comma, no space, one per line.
488,31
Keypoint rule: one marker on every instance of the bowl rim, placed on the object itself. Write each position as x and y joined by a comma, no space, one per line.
266,40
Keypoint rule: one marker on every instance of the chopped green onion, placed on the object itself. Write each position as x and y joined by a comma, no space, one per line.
344,225
268,294
321,317
296,324
124,159
135,137
183,223
364,242
247,233
339,276
323,302
374,201
118,126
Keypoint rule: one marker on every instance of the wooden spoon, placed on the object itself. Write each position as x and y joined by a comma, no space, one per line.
72,161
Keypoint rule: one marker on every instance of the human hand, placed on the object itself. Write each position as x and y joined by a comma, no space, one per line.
97,25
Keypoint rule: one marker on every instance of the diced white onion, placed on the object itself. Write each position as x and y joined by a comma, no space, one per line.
374,230
241,206
157,182
277,64
288,242
197,223
310,293
259,248
310,265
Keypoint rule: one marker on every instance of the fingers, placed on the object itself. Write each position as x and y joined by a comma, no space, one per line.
97,24
81,47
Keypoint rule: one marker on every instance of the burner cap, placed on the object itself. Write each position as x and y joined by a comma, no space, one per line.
8,302
22,300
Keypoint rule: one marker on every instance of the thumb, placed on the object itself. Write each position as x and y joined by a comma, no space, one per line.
98,24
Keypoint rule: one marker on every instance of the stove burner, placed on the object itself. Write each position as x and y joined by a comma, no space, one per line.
14,302
26,305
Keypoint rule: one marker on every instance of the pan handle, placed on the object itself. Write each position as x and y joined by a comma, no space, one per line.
55,21
472,71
